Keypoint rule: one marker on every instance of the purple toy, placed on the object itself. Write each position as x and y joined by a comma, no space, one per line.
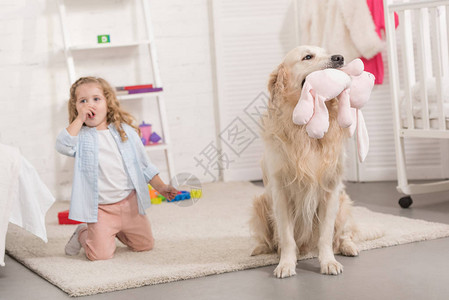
154,138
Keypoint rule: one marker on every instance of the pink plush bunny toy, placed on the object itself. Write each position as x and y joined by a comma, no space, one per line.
352,86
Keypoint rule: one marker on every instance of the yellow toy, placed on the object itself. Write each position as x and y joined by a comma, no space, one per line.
196,193
155,197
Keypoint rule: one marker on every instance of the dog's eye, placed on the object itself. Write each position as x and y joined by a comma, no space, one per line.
307,57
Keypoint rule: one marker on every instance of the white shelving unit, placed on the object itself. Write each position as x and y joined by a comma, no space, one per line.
149,42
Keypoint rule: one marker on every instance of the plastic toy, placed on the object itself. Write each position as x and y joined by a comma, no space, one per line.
145,130
63,218
182,195
153,194
196,193
352,86
148,137
155,197
154,138
158,199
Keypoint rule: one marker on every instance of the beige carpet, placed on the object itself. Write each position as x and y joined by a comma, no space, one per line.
210,237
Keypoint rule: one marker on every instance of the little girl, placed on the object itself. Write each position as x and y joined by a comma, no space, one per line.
111,174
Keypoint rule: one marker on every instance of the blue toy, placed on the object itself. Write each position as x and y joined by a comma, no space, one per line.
182,195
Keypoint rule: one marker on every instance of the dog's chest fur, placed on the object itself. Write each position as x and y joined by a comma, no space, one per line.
300,157
307,168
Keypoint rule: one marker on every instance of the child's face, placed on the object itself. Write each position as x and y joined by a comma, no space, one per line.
90,96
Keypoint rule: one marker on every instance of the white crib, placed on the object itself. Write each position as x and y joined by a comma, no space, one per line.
420,88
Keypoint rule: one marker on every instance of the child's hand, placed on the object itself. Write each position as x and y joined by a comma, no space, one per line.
86,111
165,190
168,192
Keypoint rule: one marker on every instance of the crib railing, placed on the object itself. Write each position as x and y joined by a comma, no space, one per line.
421,43
423,35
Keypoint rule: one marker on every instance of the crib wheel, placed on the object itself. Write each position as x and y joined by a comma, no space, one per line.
405,202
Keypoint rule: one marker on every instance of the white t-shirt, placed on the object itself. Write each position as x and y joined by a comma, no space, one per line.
114,183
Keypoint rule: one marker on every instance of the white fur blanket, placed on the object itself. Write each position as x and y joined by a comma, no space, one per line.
24,198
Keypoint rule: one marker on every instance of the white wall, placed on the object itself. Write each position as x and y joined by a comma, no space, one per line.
35,84
252,37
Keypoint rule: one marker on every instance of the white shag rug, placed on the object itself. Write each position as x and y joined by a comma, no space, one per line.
209,237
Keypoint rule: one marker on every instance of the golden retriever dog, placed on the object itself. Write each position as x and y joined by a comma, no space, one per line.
304,206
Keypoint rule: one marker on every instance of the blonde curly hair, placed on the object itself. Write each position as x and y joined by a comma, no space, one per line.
115,115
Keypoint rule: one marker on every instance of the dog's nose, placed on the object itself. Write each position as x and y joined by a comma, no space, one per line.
338,58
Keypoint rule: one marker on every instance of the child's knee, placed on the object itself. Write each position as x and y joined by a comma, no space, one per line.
99,253
146,245
92,256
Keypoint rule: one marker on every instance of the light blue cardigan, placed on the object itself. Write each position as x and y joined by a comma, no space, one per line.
84,147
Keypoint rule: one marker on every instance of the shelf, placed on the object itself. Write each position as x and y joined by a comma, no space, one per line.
156,147
129,47
138,95
108,45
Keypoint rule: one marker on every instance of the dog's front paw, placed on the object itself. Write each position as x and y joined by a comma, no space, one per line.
285,269
332,267
348,248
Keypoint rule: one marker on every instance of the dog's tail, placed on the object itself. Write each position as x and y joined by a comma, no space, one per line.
365,233
261,225
358,232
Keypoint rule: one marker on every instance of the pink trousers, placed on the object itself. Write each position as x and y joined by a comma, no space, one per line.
121,220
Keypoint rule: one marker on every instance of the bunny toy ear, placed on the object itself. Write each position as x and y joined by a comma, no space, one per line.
362,137
353,126
319,124
344,110
304,109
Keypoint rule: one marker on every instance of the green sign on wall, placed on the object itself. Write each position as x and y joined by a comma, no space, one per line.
102,39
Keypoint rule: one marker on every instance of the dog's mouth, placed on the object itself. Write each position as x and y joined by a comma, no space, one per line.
336,61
